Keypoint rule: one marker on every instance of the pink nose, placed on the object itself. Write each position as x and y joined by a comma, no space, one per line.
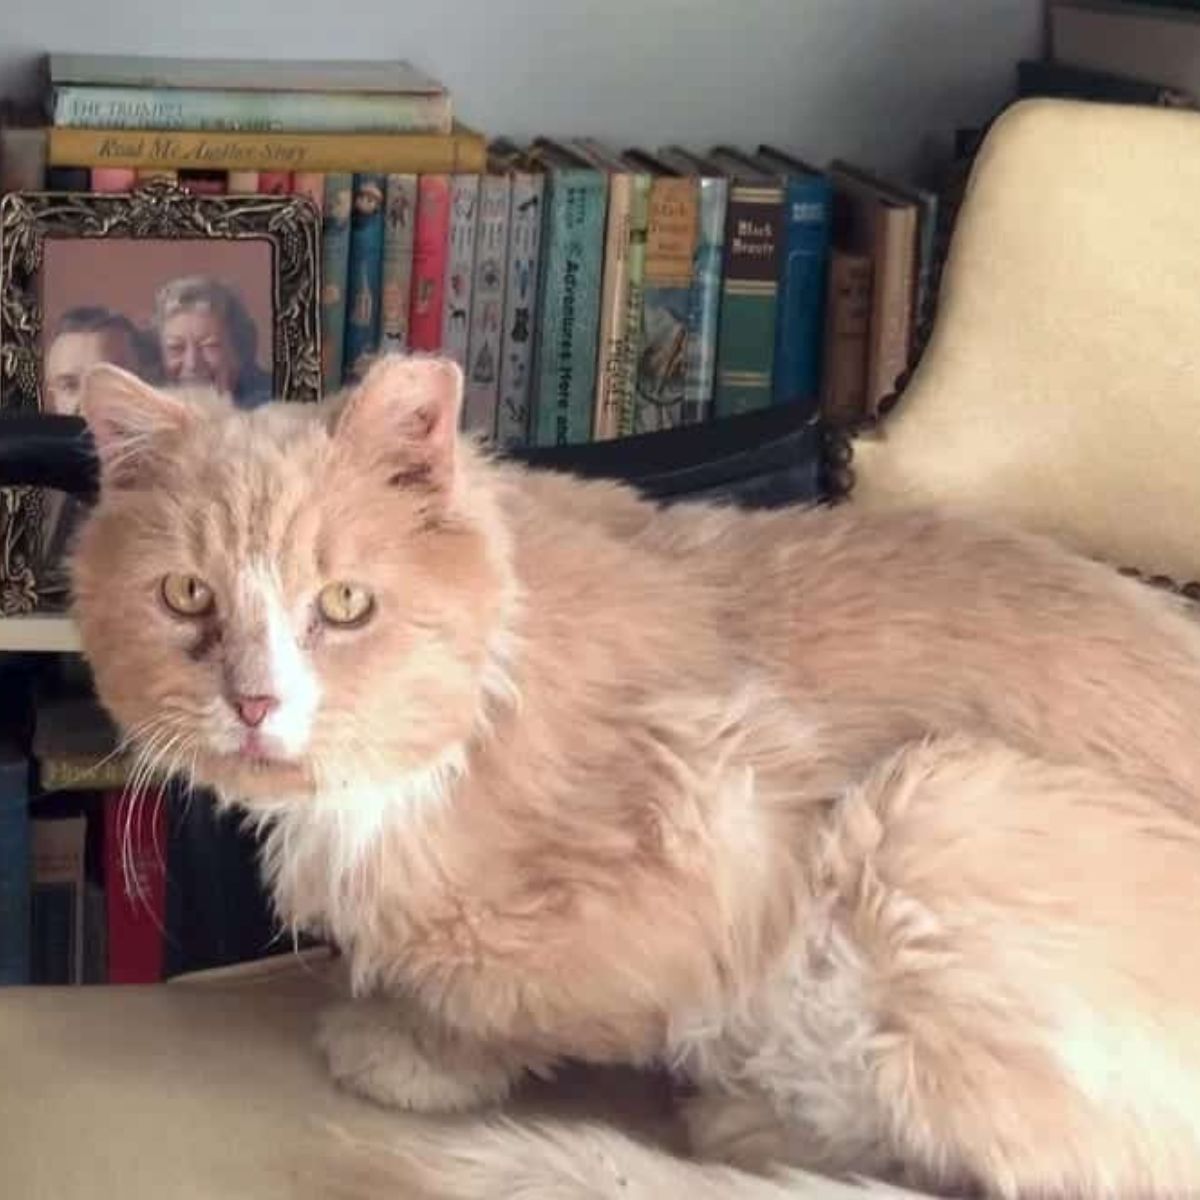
253,709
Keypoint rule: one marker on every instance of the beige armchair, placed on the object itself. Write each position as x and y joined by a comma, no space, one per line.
1061,389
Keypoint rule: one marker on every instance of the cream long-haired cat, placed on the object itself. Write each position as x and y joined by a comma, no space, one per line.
882,831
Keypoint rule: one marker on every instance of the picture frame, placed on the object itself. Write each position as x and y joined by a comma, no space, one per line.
180,287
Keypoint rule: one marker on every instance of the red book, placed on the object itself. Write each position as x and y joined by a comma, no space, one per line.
312,185
431,236
135,885
274,183
113,179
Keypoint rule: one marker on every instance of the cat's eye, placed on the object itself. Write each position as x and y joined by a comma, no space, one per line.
187,595
345,604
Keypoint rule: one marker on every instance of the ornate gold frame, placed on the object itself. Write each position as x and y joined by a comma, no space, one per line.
159,209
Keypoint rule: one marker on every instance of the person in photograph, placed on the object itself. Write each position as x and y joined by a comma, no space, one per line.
205,335
84,336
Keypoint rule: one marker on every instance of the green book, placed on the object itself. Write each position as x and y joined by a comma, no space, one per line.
753,261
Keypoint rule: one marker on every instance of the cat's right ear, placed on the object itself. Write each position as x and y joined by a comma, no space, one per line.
127,419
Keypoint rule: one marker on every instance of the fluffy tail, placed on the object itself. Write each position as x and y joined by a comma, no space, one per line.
503,1160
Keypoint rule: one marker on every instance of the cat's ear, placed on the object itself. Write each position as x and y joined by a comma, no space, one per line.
127,419
403,418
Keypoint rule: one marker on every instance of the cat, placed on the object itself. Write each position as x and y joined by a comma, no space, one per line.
880,830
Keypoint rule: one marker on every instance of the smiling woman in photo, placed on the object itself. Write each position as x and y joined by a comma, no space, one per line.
205,335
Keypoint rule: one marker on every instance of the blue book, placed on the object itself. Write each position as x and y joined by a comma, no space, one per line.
15,859
800,327
365,275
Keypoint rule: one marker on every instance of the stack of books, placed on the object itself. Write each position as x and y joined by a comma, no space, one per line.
589,291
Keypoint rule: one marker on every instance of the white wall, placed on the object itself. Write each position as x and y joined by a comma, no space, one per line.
867,79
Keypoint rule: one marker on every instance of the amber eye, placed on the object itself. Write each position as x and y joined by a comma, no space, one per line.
187,595
345,604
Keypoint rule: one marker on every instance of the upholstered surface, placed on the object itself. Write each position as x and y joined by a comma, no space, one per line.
201,1089
1061,388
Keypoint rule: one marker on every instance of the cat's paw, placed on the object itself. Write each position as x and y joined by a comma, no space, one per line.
371,1049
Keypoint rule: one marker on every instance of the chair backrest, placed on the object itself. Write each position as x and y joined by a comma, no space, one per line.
1061,385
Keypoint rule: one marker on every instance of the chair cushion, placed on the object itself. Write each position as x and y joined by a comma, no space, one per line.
205,1088
1061,386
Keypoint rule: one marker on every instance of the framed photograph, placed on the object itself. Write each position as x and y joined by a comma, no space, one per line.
177,287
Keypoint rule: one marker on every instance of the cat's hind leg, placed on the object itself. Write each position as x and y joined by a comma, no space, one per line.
1028,928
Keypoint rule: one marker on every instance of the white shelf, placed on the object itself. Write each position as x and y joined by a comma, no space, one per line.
46,634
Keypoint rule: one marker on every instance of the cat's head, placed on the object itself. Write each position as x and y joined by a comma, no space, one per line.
289,599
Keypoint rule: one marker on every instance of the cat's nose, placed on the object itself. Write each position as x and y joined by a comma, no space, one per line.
253,710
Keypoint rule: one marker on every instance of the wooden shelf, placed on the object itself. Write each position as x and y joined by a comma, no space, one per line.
55,634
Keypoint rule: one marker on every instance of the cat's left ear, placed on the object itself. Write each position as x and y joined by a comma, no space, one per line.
128,420
403,419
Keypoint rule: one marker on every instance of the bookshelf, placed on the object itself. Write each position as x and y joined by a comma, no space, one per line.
38,634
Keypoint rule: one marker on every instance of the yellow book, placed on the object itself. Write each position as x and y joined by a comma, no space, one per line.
464,150
73,773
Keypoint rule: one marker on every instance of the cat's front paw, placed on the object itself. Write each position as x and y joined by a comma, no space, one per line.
373,1049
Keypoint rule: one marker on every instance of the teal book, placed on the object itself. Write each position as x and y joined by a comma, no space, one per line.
750,288
704,304
335,264
569,325
800,326
363,291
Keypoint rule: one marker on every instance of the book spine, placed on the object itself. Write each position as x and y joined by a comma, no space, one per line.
460,267
487,306
162,174
847,326
15,879
70,178
565,371
243,183
462,150
621,303
335,267
666,298
56,900
749,295
95,106
704,307
365,275
520,308
800,326
274,183
113,179
430,247
926,255
310,184
892,295
400,217
135,884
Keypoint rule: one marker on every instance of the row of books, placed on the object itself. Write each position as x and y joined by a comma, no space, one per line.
590,293
102,882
